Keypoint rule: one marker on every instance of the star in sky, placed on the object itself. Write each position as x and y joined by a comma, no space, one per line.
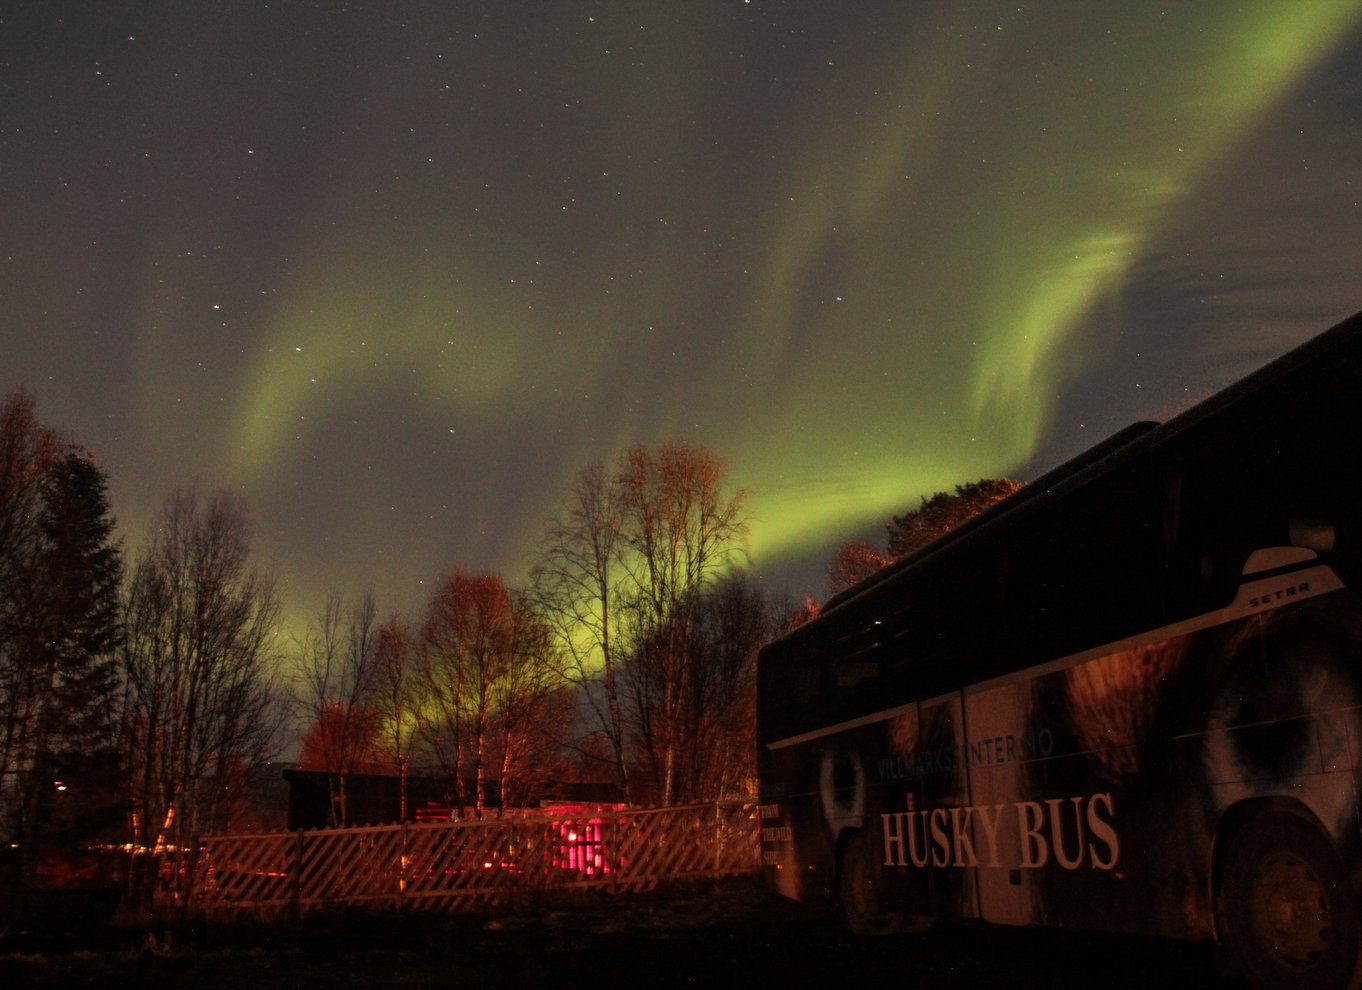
396,276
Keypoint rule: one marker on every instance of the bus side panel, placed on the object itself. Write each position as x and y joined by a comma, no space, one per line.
894,782
1091,794
1127,828
816,794
1001,714
945,788
1284,719
1127,848
1054,775
797,851
900,784
919,784
1138,757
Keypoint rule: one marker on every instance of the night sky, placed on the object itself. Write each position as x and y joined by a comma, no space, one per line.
396,271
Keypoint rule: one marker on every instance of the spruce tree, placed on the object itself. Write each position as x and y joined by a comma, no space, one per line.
72,779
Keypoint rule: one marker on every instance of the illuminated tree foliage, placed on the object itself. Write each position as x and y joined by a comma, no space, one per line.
806,611
198,665
487,676
941,513
442,675
854,563
916,528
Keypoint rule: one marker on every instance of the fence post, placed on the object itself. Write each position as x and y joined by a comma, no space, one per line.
404,854
190,875
718,838
296,874
616,850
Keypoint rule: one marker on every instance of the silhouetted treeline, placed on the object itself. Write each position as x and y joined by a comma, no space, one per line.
142,688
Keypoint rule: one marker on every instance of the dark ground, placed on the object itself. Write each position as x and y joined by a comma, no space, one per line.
716,934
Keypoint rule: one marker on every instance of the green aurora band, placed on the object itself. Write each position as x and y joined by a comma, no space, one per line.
904,290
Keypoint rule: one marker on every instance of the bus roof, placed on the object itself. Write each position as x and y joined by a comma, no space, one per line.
1338,348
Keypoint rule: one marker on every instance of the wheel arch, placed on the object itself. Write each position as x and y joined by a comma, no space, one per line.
1285,914
1239,818
844,839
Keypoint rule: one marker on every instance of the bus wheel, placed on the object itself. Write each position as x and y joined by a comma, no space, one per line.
859,890
1284,911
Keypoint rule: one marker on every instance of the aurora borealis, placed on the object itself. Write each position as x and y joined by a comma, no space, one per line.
395,271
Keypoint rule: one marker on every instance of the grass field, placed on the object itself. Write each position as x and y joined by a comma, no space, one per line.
723,933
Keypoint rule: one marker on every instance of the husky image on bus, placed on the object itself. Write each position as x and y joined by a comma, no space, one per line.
1127,698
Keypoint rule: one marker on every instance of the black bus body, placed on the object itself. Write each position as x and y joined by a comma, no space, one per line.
1127,698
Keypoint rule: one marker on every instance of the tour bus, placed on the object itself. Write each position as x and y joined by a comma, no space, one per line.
1126,698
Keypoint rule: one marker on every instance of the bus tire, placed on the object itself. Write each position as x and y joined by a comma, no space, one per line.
860,891
1285,914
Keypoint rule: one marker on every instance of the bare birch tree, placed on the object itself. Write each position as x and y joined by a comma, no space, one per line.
531,716
578,587
487,675
201,707
396,701
619,574
682,533
733,622
446,673
335,695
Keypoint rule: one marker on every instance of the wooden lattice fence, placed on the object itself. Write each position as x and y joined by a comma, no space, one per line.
453,865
